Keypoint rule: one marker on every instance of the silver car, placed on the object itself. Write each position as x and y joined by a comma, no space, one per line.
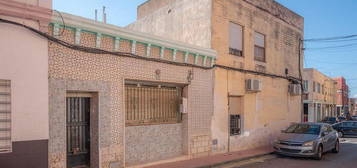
307,140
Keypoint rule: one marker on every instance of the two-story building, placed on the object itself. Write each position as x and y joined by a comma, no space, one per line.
319,95
258,69
342,96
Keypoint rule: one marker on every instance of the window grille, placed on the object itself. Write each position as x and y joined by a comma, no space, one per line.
5,116
152,104
235,124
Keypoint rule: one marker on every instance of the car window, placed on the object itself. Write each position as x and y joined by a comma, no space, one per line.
304,129
354,124
324,129
347,124
329,128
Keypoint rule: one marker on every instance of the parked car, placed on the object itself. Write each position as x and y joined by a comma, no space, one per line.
346,128
307,140
354,117
330,120
341,118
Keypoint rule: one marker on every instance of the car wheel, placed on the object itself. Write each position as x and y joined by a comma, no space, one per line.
319,153
340,134
337,147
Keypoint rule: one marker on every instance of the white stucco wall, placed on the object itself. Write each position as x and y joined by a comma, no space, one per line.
181,20
24,61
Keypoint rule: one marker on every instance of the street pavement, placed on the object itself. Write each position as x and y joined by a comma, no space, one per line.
347,158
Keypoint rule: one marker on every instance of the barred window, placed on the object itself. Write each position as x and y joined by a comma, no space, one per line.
259,47
5,116
152,104
235,124
235,39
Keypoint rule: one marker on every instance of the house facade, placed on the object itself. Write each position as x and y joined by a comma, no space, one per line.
353,106
342,96
121,98
319,95
258,68
24,129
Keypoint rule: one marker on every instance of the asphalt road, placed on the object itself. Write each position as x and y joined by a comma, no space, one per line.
347,158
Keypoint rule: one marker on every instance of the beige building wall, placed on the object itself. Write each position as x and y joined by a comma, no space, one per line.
265,113
320,103
272,109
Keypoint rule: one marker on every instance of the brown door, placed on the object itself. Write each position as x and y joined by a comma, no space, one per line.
78,132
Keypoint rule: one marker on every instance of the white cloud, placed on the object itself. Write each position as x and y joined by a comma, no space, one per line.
355,96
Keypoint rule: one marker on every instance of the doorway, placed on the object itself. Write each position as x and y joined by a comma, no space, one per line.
78,131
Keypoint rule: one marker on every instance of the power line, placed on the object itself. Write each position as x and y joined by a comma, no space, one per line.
330,38
332,47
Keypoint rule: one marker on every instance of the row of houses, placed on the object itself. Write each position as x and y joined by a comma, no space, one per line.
324,96
187,79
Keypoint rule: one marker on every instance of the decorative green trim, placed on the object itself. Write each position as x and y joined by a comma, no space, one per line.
77,37
56,29
98,40
133,47
196,58
204,60
148,50
174,55
116,43
186,56
212,61
162,52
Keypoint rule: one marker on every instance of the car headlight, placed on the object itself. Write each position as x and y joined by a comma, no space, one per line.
310,143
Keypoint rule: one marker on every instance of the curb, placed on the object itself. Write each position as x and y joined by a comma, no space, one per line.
235,160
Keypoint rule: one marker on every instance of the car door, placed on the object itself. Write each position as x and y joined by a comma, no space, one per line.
347,128
332,137
354,130
325,138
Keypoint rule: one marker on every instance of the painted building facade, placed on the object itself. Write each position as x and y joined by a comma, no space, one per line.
342,96
24,129
353,106
146,100
319,95
258,63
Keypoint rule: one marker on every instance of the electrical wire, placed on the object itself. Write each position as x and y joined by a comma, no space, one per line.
330,38
332,47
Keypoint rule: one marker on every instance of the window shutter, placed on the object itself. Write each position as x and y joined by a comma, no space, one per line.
235,36
5,116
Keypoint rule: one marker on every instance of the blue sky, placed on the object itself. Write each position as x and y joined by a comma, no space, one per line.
323,18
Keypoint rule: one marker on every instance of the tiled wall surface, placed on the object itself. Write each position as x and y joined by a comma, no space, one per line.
105,74
152,143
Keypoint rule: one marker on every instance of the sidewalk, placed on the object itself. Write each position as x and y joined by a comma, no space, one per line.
216,160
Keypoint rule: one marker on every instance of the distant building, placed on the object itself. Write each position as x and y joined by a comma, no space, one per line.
319,95
342,96
353,106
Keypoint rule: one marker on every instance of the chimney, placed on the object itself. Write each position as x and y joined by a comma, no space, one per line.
104,15
96,15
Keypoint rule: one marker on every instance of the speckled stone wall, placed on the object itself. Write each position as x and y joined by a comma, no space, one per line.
71,70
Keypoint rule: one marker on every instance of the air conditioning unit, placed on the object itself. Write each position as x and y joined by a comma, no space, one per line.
253,85
294,89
